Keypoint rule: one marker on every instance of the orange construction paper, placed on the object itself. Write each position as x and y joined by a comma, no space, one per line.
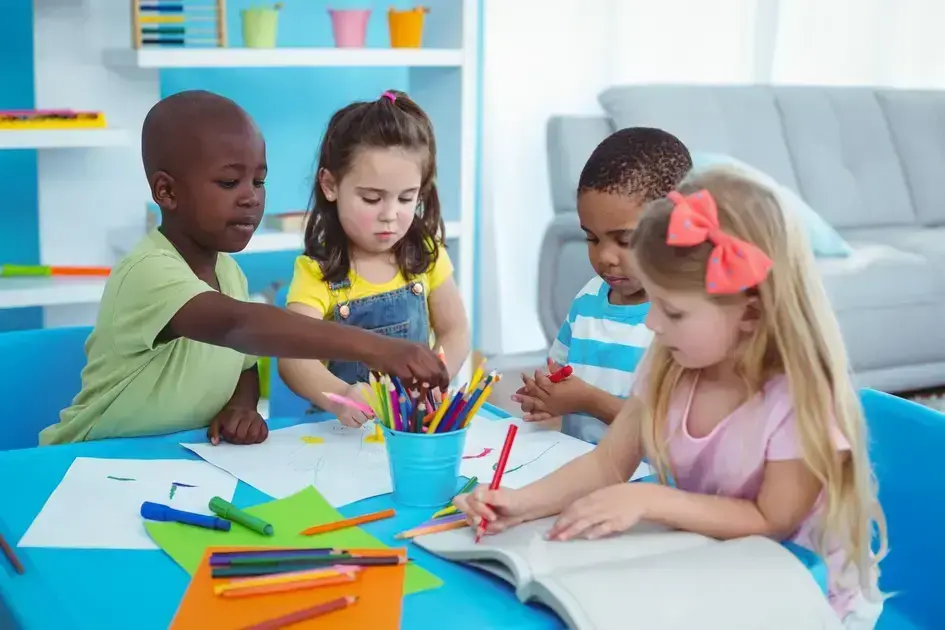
379,591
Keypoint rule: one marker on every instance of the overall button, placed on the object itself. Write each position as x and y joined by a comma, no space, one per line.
344,310
417,288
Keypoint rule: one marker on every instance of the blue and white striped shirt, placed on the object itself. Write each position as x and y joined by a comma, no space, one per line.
603,343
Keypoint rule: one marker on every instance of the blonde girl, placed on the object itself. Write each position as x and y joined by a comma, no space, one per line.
744,399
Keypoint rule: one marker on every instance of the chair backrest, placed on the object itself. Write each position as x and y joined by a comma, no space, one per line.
283,402
40,374
907,441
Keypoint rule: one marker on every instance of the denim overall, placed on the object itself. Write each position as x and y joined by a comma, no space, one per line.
401,313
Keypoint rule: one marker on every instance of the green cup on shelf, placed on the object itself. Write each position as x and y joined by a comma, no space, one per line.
260,26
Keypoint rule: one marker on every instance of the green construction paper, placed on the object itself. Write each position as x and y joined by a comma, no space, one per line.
186,544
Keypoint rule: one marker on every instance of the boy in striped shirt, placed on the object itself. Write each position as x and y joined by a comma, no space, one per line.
604,336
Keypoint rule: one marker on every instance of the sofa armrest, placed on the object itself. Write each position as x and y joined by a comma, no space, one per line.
559,276
907,448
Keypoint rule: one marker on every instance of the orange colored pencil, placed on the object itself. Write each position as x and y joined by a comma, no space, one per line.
348,522
431,529
285,587
8,552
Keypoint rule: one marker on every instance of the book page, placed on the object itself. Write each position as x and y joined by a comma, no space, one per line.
528,555
746,584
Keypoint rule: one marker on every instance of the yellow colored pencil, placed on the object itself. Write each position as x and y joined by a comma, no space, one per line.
479,403
477,375
440,413
431,529
450,509
267,589
284,578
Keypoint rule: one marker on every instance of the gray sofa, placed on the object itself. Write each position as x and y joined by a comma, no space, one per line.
870,161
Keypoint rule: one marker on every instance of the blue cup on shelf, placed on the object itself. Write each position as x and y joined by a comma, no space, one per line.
424,467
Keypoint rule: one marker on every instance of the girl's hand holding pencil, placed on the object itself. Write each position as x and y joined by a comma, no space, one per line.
352,407
494,510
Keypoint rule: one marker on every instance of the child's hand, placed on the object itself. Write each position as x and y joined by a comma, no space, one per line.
238,425
541,399
411,362
349,416
603,512
497,509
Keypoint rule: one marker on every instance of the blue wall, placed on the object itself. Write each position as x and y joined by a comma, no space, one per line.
19,234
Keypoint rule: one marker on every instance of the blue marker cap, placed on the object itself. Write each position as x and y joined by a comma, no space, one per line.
161,512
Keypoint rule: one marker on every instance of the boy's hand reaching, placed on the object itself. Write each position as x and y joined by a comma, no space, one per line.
411,362
541,399
238,425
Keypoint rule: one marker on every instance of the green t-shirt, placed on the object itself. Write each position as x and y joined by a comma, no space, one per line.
133,385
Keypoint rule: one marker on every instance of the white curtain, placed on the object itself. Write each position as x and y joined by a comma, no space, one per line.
894,43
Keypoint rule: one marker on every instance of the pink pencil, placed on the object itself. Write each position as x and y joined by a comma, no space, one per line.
342,400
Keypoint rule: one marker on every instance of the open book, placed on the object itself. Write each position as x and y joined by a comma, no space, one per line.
650,578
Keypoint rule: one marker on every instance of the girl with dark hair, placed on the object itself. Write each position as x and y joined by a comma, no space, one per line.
374,247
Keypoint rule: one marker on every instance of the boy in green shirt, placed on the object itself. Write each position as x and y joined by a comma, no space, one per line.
174,342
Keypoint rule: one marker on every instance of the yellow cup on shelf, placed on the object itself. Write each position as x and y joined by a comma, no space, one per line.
406,27
260,26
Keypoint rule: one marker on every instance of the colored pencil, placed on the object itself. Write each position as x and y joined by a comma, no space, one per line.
448,409
305,614
432,529
348,522
342,400
8,552
451,509
561,374
285,578
500,469
288,586
290,567
477,374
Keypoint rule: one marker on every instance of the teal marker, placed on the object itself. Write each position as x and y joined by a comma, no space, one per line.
230,512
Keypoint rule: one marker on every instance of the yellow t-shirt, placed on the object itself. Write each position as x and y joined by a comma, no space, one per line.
133,385
309,286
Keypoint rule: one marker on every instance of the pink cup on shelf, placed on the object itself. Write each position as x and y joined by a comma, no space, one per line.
349,26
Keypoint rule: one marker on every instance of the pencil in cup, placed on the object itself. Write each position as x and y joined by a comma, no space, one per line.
500,469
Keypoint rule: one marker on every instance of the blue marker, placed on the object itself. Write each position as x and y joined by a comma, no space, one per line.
160,512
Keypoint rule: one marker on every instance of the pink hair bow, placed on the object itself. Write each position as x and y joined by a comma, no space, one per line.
734,265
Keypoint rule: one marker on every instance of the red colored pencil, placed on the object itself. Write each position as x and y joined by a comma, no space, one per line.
561,374
305,614
8,552
500,469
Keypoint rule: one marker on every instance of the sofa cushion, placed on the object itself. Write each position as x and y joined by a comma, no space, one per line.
843,154
927,242
917,122
877,274
571,140
741,120
824,240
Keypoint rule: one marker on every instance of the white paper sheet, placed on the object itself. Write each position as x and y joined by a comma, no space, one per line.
97,505
535,453
344,464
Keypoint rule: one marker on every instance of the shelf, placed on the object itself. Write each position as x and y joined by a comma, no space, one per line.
283,57
265,241
23,292
62,138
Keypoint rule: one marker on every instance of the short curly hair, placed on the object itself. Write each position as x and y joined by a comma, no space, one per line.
640,162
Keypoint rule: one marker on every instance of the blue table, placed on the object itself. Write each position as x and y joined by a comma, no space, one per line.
109,589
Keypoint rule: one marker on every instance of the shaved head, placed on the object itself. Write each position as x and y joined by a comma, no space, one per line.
176,130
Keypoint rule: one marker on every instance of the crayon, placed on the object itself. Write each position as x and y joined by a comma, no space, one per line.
305,614
161,512
348,522
225,509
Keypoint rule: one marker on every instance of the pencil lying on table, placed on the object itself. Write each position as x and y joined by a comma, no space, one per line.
8,552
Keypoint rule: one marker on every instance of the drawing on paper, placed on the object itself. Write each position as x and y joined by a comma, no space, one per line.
175,485
480,454
120,478
312,439
524,464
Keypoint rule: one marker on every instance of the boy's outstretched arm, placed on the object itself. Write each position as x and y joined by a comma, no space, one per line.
264,330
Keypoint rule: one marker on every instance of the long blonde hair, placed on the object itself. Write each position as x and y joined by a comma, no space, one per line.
797,335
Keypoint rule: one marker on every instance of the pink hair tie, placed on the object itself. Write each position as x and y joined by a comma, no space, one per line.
390,95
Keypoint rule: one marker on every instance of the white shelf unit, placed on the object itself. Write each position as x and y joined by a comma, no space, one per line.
90,201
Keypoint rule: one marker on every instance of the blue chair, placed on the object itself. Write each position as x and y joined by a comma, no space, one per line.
283,403
907,445
40,374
